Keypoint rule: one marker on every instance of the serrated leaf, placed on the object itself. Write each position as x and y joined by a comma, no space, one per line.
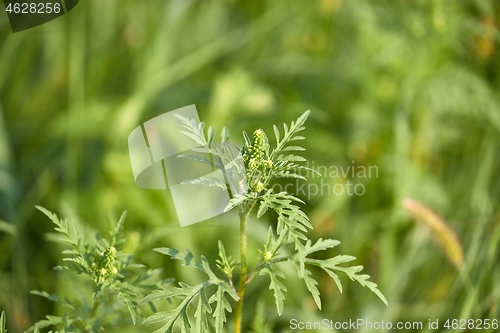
277,286
50,321
320,245
157,317
222,304
129,303
71,233
329,265
363,280
237,200
196,138
117,236
335,278
263,207
202,310
311,286
340,259
289,134
188,260
179,313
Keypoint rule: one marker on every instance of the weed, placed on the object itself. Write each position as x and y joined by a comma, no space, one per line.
263,165
111,278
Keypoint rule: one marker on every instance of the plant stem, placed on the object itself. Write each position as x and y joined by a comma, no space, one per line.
243,272
97,302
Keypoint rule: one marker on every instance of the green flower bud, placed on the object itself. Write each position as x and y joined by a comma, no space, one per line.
104,265
255,153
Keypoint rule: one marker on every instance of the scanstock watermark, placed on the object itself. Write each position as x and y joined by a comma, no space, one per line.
325,180
356,324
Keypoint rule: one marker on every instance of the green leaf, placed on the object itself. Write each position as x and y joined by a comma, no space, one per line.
226,263
71,234
53,298
291,158
276,285
117,236
202,310
320,245
276,134
303,252
197,158
188,260
248,141
196,137
211,135
180,312
311,286
289,134
225,136
293,148
237,200
193,130
352,272
222,304
331,265
50,321
127,293
188,293
206,181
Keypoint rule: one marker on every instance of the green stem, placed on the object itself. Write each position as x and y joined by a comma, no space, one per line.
243,272
97,302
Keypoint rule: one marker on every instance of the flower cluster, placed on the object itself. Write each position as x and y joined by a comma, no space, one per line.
104,265
256,161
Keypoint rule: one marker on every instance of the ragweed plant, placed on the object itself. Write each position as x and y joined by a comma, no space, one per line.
111,278
262,165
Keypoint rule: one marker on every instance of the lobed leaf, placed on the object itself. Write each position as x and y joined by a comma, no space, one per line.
311,286
188,260
276,285
289,133
222,304
202,310
237,200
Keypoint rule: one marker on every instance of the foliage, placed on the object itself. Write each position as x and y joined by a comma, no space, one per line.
111,278
262,165
189,293
408,87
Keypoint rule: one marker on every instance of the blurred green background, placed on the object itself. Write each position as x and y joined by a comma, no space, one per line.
407,86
